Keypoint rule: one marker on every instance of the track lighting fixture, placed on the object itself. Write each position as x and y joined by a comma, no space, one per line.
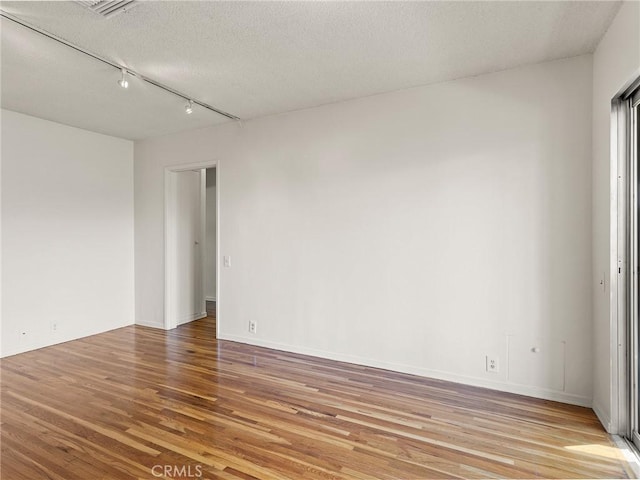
123,82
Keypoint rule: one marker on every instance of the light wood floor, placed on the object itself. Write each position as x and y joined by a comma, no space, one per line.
115,405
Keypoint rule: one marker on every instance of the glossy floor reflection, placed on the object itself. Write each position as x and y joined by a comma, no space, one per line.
137,401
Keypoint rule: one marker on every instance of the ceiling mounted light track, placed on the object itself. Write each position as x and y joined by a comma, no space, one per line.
128,71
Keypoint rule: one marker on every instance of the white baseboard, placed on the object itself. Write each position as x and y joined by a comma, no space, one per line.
527,390
53,339
604,418
192,317
210,299
18,349
143,323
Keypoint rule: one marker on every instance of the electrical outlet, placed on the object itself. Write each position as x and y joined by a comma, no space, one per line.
54,326
493,365
226,261
253,327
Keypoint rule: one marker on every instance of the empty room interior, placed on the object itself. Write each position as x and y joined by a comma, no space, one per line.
319,240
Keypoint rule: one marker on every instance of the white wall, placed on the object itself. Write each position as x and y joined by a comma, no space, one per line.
616,62
67,233
418,230
210,237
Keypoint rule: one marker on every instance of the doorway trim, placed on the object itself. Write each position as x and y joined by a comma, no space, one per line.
624,279
170,227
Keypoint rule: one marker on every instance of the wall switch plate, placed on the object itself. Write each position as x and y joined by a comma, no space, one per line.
492,364
227,260
253,327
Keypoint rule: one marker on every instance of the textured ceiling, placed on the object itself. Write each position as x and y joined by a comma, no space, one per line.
258,58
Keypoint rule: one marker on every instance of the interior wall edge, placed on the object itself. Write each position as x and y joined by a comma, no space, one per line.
604,418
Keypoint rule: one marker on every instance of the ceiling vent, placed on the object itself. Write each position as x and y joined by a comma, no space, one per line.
108,8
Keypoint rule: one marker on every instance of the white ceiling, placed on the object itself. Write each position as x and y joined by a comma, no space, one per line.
259,58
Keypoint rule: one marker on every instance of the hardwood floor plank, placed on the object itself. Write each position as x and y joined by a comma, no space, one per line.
118,404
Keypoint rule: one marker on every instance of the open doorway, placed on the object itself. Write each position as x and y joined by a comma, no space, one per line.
191,248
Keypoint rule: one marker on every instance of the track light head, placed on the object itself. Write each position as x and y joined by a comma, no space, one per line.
188,108
123,82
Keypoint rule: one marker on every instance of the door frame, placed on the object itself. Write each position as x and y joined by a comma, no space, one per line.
170,228
625,259
622,274
629,113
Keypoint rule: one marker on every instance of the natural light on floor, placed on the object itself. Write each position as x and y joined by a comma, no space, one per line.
620,452
599,450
